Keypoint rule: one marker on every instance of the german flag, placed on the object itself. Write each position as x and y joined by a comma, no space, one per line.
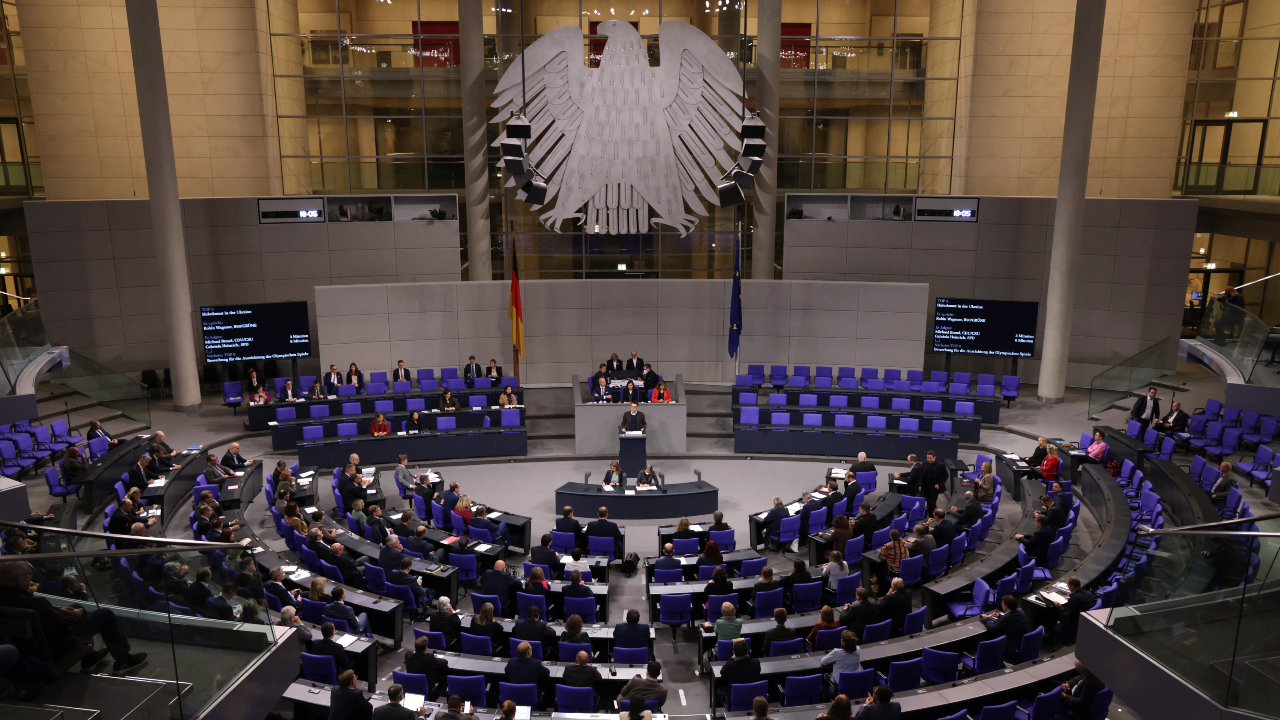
514,312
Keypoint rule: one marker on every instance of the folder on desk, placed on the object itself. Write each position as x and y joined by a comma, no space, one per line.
345,640
307,474
309,510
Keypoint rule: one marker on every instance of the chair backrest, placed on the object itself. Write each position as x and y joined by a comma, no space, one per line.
939,666
1031,643
905,675
319,668
767,602
869,401
630,656
802,690
990,656
876,632
1101,704
780,418
742,696
476,644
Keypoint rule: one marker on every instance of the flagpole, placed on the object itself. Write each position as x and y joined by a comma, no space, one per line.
737,257
511,243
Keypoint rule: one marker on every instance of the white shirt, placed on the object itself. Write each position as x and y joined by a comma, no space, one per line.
1150,408
580,565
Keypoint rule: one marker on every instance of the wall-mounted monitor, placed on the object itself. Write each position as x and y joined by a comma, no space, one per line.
290,210
267,331
946,209
984,327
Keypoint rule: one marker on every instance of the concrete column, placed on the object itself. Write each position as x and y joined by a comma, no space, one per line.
1077,134
166,211
768,52
475,139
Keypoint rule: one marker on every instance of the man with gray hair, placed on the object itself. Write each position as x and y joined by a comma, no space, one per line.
289,619
971,514
140,473
275,587
446,622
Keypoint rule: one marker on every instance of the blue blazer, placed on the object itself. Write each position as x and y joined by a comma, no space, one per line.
631,636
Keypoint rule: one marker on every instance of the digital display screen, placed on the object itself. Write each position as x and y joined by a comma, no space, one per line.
956,213
233,333
287,214
984,327
1197,295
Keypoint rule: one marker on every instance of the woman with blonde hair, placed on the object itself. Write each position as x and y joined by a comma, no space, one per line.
316,591
484,624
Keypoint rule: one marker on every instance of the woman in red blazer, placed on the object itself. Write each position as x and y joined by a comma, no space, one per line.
660,394
1049,470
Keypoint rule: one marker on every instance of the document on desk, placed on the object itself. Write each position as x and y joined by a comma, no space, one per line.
836,473
483,547
794,508
762,516
696,528
608,488
646,488
493,515
1054,597
371,491
232,487
300,576
367,471
346,640
304,483
289,568
307,474
414,702
635,432
628,492
156,483
239,473
309,510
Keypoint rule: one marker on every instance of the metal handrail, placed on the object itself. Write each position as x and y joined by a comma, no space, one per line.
159,542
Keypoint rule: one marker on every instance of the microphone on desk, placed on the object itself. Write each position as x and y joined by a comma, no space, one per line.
662,483
698,474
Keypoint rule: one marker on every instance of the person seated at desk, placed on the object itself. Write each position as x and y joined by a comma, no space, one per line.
633,421
1011,622
581,673
601,373
471,371
862,612
166,455
649,378
463,508
567,523
222,606
316,391
840,709
1054,516
575,587
1060,496
445,621
923,544
601,393
96,431
613,366
1048,470
525,669
729,626
1040,453
498,531
414,424
403,576
668,560
536,584
842,659
772,521
494,370
896,605
741,669
73,463
140,473
1098,448
973,512
799,576
614,476
894,551
630,394
683,531
1175,421
1078,694
575,562
639,689
985,486
544,555
496,581
215,472
260,396
647,477
944,531
1222,486
379,427
531,627
328,646
483,624
1037,544
719,583
332,380
835,569
717,519
826,621
394,709
340,610
355,377
603,527
632,633
288,393
779,632
1078,601
880,705
232,458
841,533
400,373
660,394
352,571
507,397
251,383
448,403
573,632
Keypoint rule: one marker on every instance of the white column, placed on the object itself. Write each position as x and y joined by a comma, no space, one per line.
768,51
1077,134
475,140
166,211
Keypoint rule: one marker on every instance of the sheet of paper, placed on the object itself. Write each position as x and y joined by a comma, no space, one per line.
232,487
302,576
413,701
608,488
762,516
794,508
395,516
483,547
345,640
629,492
156,483
304,483
836,473
239,473
371,491
272,423
1054,597
647,488
309,510
696,528
307,474
493,515
289,568
367,471
401,433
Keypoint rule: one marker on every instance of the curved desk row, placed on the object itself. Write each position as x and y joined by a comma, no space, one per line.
478,442
100,476
987,407
838,442
968,427
287,434
676,499
689,563
261,416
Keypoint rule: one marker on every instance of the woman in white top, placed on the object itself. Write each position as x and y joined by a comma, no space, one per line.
835,569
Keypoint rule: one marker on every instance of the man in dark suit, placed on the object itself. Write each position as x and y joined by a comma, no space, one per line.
122,520
393,710
525,669
612,367
497,531
496,581
402,576
944,531
567,523
935,478
377,524
219,607
1054,517
741,669
896,605
650,379
1175,421
341,611
971,514
352,571
575,587
1222,486
326,646
531,627
316,544
391,554
198,594
635,364
233,459
401,373
446,622
779,632
833,496
858,615
914,476
632,420
418,543
1145,410
332,380
603,527
449,499
1037,543
771,523
544,555
582,674
1077,694
668,561
863,465
275,586
346,702
808,504
422,661
471,371
97,431
632,633
288,393
1011,623
880,705
140,473
1079,601
864,523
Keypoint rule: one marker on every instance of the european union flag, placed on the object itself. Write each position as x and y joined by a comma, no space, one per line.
735,306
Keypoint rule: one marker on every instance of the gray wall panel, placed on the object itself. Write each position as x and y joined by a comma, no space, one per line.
206,240
361,236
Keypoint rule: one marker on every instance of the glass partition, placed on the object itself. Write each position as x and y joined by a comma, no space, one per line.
1118,382
1223,642
145,590
106,386
22,337
1238,336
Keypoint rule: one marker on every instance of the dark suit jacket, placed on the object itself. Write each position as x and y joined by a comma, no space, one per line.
287,393
279,592
526,671
416,544
576,591
138,476
972,514
613,366
860,615
877,711
501,584
1012,625
424,663
580,676
389,559
1055,517
625,425
218,608
394,711
740,671
1037,543
831,500
896,607
357,376
329,647
351,574
631,636
1080,699
400,375
527,629
809,507
348,704
1140,406
1177,421
448,500
472,370
772,522
944,532
915,479
342,611
636,364
98,433
935,480
1079,601
568,525
403,578
543,555
198,595
332,381
235,462
864,525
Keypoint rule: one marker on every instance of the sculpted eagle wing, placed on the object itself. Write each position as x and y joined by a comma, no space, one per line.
555,76
702,104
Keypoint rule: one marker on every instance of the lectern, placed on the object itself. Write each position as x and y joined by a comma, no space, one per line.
632,453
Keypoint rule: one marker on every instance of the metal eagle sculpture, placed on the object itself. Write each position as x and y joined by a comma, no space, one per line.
623,146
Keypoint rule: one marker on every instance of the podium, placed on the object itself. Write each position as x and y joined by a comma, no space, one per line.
632,453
